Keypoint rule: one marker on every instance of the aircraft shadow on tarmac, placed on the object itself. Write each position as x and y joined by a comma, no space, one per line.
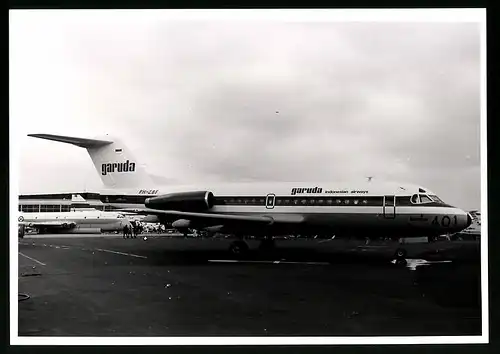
448,274
360,255
451,284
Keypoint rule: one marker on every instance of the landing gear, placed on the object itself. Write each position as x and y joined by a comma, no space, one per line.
238,248
400,253
401,261
400,256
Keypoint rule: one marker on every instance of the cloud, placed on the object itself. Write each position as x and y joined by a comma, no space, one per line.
218,101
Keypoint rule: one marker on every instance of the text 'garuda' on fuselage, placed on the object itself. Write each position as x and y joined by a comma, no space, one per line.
306,190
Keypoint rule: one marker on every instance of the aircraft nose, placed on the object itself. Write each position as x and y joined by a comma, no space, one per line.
469,220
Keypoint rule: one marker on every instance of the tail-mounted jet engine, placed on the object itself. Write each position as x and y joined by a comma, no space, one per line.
188,201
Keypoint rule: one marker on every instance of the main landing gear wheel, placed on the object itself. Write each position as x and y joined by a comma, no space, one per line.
238,248
401,261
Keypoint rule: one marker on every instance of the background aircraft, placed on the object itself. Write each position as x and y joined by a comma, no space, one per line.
82,219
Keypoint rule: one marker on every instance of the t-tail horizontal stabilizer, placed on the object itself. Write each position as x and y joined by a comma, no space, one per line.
114,163
80,142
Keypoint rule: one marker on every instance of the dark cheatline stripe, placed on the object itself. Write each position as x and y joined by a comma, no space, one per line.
284,201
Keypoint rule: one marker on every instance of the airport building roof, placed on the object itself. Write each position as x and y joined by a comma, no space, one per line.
57,202
59,196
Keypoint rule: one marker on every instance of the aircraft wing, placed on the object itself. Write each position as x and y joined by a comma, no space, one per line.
220,218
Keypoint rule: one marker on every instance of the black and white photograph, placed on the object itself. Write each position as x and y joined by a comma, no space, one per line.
282,177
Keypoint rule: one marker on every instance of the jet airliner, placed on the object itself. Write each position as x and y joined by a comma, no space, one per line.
264,210
88,221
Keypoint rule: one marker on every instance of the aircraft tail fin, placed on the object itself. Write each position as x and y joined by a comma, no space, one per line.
113,161
77,198
78,203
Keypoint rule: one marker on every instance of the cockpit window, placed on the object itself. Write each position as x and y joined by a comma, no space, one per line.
422,198
120,216
425,199
436,199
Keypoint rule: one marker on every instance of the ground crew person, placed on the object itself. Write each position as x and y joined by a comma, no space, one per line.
133,229
125,231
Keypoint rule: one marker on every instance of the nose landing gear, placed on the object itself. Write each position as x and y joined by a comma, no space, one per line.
400,256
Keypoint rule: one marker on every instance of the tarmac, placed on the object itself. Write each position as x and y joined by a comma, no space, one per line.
171,286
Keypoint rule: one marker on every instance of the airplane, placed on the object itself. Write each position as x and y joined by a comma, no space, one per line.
474,230
78,203
265,210
72,222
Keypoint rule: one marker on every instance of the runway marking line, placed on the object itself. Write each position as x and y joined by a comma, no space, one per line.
122,253
33,259
265,262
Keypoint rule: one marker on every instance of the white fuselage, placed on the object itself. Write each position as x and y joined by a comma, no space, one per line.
346,208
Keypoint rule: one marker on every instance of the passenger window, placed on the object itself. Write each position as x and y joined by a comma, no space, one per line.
330,202
415,199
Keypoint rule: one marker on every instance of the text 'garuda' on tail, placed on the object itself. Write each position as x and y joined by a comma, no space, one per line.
126,166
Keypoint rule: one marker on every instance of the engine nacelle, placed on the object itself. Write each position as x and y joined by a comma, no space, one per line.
181,224
188,201
150,219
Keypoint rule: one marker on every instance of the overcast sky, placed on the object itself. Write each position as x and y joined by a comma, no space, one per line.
211,100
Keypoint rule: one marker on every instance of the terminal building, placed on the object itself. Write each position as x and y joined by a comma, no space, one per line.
60,202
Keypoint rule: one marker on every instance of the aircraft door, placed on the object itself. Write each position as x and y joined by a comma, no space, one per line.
270,198
389,206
